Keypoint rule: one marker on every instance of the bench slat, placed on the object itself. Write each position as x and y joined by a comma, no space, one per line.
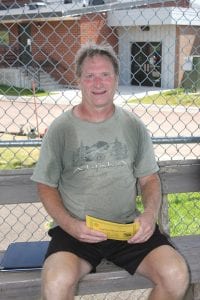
180,176
176,176
16,187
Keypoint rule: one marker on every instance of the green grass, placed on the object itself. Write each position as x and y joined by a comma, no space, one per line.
16,91
16,158
184,213
173,98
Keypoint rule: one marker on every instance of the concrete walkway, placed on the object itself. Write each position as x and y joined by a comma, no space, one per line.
123,94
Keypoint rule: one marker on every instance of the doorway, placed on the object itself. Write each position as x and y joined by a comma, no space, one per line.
25,44
146,60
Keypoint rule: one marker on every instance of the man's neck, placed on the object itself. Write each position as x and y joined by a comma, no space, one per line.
95,115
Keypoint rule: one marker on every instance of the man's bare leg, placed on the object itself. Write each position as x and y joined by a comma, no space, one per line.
60,275
168,270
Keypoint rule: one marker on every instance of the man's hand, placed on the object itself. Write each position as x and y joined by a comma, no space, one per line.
81,232
146,229
53,203
151,199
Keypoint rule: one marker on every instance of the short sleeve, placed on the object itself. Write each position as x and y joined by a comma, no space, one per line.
145,163
49,165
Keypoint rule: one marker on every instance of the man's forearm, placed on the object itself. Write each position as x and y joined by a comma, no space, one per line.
151,194
53,204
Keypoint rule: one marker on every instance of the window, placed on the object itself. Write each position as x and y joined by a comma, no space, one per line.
4,36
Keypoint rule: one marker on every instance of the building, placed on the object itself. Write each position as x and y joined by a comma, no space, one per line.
155,40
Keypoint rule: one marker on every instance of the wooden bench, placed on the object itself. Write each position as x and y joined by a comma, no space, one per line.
176,177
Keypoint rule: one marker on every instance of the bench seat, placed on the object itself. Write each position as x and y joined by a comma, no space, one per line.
109,278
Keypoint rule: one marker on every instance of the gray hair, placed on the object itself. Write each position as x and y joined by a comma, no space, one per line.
92,49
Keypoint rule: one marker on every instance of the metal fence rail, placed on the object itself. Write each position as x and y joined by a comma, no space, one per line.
156,140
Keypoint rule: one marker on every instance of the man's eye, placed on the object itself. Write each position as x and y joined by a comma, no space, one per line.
106,74
89,76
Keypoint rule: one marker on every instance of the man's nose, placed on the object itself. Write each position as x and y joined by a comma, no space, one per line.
98,80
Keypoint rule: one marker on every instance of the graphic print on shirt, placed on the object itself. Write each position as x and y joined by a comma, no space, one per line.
100,155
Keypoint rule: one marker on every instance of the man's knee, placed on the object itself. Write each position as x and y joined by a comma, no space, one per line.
58,279
168,270
57,282
175,278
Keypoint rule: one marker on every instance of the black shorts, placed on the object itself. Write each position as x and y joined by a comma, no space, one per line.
127,256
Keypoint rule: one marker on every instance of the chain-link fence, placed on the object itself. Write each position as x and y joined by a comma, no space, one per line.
158,45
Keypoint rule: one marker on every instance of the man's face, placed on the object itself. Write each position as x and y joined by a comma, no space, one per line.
98,82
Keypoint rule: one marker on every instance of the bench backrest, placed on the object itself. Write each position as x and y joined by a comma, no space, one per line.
176,177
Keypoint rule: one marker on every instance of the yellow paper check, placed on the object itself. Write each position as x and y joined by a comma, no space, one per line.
114,231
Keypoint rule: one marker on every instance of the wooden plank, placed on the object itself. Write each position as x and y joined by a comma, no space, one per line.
109,278
189,246
17,187
180,176
176,176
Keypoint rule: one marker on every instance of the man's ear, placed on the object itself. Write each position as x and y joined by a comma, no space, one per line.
117,82
78,83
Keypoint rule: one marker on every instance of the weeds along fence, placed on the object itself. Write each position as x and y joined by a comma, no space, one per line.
158,46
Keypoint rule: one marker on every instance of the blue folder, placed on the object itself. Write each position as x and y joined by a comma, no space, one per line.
24,256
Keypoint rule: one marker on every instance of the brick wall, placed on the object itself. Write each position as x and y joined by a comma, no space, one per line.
55,43
13,3
172,3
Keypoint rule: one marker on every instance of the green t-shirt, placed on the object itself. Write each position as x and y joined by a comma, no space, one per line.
95,165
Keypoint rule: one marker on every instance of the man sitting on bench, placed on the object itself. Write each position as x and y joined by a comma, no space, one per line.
90,160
